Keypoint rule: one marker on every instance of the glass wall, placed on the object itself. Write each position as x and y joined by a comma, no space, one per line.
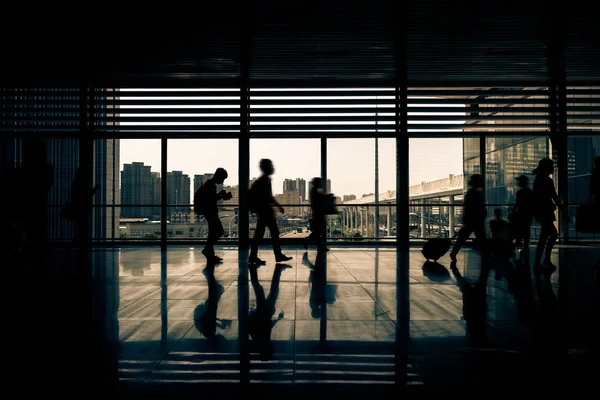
437,185
139,196
190,163
201,130
582,152
296,162
506,159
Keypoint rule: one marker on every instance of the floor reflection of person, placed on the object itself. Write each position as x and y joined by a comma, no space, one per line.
474,301
260,318
205,314
321,293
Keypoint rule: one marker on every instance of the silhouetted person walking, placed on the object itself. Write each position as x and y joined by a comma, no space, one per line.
205,203
81,204
522,213
546,201
262,202
473,216
317,220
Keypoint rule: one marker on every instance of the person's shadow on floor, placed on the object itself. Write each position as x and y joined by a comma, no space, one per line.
260,318
205,314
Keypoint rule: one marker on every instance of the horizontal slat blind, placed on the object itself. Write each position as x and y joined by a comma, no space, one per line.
321,110
339,42
172,110
477,109
46,110
583,109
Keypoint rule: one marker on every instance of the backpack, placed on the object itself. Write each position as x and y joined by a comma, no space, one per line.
201,204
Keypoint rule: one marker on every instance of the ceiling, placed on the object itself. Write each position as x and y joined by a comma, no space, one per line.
307,44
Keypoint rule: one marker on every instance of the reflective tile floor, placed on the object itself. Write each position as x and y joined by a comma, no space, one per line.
352,319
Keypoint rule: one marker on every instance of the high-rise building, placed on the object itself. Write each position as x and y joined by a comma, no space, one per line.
349,197
298,184
138,188
156,191
200,179
178,192
328,186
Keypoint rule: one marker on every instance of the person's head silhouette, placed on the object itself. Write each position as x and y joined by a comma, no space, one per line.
266,166
545,167
317,183
498,213
476,181
597,162
523,181
220,175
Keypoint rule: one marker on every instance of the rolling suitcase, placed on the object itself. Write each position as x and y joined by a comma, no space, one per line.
435,248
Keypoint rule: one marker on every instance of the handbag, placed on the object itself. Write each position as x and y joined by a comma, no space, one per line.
588,218
330,208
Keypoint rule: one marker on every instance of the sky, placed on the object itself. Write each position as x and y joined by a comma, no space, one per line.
350,162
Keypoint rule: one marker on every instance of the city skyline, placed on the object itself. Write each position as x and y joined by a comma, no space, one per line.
351,162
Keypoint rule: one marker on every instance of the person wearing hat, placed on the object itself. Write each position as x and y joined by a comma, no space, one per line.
546,201
474,215
522,213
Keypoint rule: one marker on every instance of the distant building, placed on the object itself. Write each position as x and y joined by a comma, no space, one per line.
298,184
200,179
235,193
138,188
178,192
291,197
156,190
348,197
328,186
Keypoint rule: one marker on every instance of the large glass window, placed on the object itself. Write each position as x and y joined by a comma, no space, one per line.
506,159
582,152
140,194
190,163
437,182
351,176
297,162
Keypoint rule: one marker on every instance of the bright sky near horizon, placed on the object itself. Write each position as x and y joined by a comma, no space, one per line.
351,162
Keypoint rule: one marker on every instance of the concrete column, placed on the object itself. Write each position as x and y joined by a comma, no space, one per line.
389,221
451,216
422,221
360,216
